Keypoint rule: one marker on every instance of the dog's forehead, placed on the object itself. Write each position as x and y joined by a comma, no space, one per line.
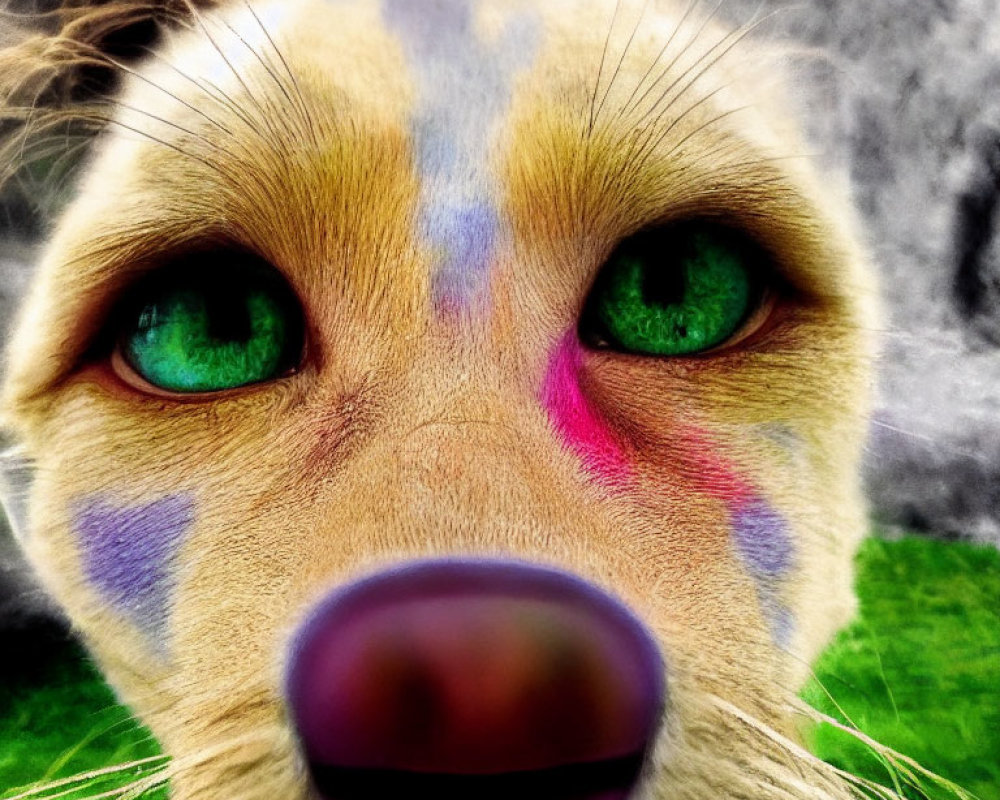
468,94
412,158
464,80
441,74
448,66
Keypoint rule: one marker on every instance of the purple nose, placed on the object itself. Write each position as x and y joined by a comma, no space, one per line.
484,679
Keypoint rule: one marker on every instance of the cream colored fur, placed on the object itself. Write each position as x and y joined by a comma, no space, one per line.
411,434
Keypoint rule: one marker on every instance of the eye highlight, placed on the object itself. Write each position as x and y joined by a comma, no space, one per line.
675,291
214,322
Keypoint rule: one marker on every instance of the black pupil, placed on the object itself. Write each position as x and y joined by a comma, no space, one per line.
661,259
228,315
663,287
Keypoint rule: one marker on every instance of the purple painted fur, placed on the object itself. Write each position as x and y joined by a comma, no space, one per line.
464,86
762,539
764,544
127,552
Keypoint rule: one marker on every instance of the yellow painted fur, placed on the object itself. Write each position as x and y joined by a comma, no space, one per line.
286,128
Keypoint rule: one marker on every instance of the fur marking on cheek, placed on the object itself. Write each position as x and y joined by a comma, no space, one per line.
464,86
573,416
127,551
764,544
761,537
780,618
759,533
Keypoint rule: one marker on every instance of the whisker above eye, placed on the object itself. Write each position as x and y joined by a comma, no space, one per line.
203,27
621,60
653,137
303,106
600,69
668,68
737,36
163,121
262,104
190,106
217,95
298,102
260,60
627,107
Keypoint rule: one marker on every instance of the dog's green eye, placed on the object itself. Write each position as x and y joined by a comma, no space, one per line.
206,329
674,291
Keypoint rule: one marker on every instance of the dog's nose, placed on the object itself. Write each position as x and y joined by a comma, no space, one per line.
485,679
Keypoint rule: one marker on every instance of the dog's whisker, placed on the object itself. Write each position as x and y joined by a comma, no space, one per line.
300,97
933,444
175,126
213,166
203,28
833,779
648,148
209,90
265,64
125,69
727,43
267,109
99,120
627,107
914,774
896,429
668,69
600,69
621,61
74,783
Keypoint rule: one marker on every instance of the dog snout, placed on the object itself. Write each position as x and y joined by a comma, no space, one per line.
474,679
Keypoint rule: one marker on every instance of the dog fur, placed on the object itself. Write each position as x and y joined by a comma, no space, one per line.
438,409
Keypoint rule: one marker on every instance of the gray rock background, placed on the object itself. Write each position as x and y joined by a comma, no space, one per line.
908,97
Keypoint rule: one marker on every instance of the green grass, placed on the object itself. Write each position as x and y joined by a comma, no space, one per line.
65,721
919,671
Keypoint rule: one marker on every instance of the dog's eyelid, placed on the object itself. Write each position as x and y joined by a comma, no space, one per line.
211,258
213,330
213,293
689,288
778,249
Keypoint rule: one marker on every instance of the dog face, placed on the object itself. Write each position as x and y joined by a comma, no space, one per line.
412,386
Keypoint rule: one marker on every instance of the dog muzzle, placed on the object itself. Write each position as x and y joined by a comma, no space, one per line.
474,679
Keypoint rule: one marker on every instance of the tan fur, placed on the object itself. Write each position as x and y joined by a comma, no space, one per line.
408,434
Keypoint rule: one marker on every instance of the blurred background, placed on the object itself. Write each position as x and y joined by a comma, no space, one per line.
906,98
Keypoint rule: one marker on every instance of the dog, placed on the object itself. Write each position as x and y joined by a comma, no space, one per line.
456,398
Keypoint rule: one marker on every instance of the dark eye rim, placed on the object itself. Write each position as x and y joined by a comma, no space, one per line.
767,285
206,265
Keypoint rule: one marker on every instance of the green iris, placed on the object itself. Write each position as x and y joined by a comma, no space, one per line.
206,329
674,291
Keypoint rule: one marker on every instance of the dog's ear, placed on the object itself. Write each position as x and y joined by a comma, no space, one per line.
60,61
